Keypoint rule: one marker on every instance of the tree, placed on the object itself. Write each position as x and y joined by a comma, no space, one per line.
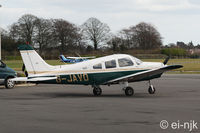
23,30
128,38
43,33
147,36
95,32
115,42
66,33
26,26
8,44
143,36
14,32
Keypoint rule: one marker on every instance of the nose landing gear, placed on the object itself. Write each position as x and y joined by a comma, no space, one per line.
151,89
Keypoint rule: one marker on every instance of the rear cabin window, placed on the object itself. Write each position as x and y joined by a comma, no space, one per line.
123,62
110,64
97,66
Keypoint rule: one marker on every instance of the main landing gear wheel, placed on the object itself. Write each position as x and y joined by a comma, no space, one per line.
151,89
129,91
97,91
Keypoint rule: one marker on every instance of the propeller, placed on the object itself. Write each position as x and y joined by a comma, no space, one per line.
166,60
24,70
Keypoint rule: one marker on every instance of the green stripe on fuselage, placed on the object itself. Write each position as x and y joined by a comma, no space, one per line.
90,78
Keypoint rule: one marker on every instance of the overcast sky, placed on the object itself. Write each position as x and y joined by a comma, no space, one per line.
176,20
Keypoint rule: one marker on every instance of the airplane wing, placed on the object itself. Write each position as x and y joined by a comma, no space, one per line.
145,74
89,57
73,58
33,79
81,57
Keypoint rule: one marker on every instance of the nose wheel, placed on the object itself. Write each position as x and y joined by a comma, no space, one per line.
97,91
151,89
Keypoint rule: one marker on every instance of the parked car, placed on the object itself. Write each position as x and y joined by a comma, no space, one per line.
6,74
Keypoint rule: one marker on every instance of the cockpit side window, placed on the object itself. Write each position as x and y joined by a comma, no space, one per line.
138,61
123,62
97,66
110,64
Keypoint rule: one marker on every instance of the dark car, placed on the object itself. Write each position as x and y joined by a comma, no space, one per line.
6,74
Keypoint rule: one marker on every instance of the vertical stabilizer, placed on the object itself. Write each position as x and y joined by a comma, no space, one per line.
33,62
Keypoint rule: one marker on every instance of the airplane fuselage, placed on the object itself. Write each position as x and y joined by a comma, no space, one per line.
95,78
85,73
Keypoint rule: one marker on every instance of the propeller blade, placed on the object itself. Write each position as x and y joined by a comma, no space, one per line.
23,68
166,60
26,73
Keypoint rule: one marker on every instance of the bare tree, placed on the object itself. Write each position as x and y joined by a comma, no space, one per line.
128,38
43,33
147,36
66,33
115,42
95,31
14,32
23,30
27,24
143,35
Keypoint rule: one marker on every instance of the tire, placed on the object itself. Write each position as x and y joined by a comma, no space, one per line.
129,91
9,84
97,91
151,89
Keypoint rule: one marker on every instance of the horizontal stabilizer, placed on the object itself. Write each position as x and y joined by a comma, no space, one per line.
33,79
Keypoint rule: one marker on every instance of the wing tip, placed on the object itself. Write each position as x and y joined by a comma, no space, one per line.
170,67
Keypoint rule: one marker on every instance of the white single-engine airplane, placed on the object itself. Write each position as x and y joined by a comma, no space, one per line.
113,69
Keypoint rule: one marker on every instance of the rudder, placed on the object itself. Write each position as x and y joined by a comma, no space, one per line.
33,62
